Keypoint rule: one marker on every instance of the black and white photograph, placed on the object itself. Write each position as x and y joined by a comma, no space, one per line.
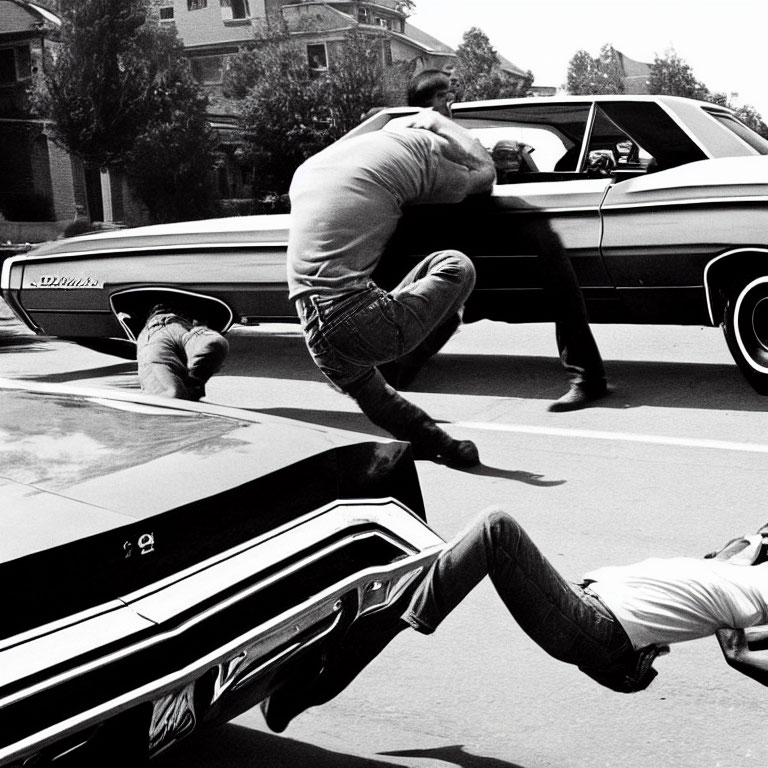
383,384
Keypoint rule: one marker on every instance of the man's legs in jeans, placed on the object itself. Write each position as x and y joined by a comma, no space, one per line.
176,358
431,298
387,409
350,337
562,618
162,366
206,351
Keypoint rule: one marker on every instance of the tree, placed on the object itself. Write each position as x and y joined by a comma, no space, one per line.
120,94
752,118
288,112
478,69
355,80
170,162
673,76
284,116
91,90
587,75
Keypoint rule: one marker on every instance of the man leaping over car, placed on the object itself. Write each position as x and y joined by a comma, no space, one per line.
346,202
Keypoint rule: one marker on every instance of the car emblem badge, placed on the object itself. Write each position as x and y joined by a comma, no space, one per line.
145,545
62,281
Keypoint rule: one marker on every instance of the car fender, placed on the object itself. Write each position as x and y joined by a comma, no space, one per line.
130,306
735,265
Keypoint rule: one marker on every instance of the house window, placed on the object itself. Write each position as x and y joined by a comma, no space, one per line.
15,64
166,14
235,10
317,57
362,16
386,23
7,66
196,5
386,51
207,69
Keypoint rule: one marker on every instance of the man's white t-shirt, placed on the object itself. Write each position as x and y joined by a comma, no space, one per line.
683,598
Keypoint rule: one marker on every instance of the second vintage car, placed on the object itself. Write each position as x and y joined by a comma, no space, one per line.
660,202
166,565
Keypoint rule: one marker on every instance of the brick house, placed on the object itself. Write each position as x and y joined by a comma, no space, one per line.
39,180
214,30
42,182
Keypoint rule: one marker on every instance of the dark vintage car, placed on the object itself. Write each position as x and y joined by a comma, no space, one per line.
166,565
660,202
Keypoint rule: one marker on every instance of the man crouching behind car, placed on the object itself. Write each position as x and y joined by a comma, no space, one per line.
177,354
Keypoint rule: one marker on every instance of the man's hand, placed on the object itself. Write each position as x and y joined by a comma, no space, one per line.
735,647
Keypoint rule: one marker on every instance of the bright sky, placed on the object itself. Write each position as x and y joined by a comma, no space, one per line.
725,43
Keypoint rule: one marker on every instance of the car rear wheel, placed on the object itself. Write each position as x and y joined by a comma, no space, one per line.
745,325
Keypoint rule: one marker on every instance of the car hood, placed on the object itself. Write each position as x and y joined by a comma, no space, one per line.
76,465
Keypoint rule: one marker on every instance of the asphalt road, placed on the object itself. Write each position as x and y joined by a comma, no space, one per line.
673,462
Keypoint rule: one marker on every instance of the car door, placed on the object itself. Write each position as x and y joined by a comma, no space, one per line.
663,219
544,189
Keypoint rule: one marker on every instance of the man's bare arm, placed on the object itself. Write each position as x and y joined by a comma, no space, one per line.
752,663
458,145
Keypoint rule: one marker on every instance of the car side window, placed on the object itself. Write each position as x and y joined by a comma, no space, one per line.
610,150
530,142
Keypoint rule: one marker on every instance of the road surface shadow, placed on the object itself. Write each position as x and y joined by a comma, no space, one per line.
357,422
231,746
634,383
14,337
454,755
127,372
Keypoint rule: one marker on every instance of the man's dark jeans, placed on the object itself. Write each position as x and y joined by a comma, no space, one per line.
563,618
349,336
177,356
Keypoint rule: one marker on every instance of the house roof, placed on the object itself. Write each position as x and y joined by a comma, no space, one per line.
427,42
508,66
17,16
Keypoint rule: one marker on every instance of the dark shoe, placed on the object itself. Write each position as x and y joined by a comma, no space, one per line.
295,693
461,453
455,453
579,396
364,641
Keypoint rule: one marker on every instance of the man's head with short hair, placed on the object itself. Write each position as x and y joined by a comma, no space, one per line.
431,88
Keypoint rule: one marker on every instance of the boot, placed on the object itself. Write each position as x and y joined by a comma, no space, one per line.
387,409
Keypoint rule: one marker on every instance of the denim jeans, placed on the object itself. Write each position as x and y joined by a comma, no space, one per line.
562,618
176,357
349,336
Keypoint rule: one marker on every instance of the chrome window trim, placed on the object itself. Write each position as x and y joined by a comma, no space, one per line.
97,252
687,201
